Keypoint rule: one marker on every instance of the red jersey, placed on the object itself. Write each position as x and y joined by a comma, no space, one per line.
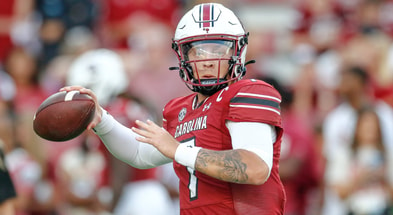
204,126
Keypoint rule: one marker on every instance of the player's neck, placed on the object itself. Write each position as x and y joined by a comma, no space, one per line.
198,100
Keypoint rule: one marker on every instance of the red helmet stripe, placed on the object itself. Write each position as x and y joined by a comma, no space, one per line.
206,15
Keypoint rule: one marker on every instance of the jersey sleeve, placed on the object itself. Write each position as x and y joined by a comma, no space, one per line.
256,103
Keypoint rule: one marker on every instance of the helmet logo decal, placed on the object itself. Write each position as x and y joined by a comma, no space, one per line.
206,17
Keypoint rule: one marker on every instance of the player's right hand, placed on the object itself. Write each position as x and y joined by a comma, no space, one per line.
98,114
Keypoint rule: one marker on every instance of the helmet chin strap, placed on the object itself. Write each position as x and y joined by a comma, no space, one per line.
209,81
209,90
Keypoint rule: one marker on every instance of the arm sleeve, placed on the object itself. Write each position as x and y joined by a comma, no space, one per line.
255,137
121,142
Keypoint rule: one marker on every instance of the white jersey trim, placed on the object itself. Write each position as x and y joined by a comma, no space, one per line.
258,95
256,107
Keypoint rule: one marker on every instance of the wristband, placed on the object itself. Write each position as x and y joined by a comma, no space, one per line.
186,155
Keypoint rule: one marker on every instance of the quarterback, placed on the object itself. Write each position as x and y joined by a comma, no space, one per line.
224,138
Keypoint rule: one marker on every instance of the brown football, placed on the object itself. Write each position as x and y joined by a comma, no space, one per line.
63,116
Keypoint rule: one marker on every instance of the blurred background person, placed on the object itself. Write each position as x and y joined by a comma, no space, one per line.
76,41
340,125
27,157
133,191
7,190
151,58
15,22
7,94
120,19
360,172
57,17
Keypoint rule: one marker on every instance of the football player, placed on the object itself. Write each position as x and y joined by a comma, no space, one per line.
224,138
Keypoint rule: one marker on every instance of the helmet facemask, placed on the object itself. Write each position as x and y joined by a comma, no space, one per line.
207,65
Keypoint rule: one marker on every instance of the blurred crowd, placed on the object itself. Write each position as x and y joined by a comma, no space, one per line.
331,60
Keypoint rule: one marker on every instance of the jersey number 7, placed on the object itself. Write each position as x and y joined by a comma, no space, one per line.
193,180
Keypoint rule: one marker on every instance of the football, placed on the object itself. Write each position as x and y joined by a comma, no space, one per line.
63,116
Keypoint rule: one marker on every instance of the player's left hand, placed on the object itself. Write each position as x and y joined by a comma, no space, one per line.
155,135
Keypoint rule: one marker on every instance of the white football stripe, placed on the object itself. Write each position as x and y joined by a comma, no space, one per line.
258,95
70,95
256,107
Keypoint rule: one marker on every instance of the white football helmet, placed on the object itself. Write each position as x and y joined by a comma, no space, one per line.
210,23
100,70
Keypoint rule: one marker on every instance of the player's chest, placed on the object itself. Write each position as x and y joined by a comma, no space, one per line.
207,116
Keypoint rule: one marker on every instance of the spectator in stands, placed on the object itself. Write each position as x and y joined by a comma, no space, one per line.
360,175
339,126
